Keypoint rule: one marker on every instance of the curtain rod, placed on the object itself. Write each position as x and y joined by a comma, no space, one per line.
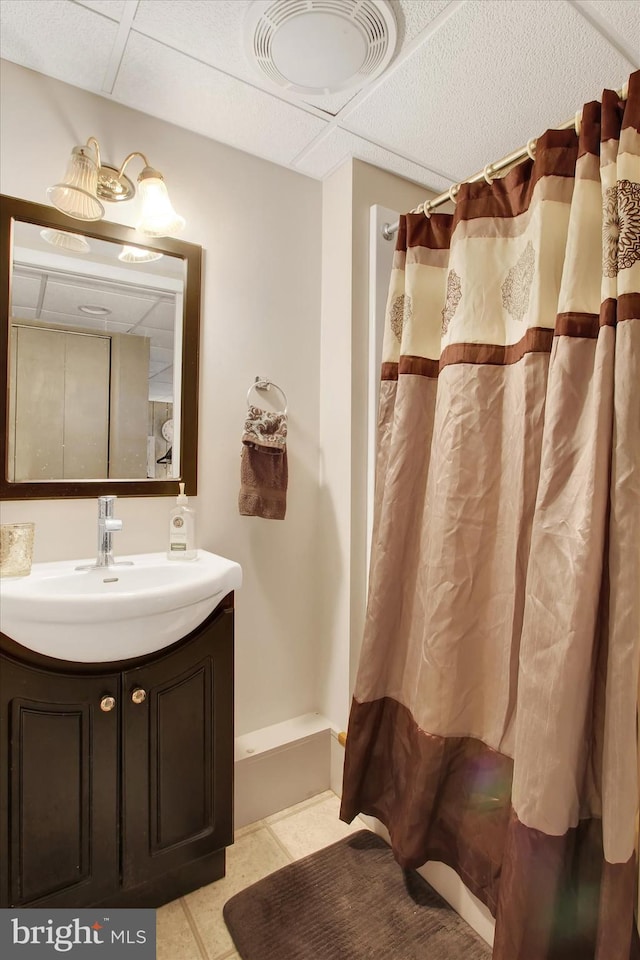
389,229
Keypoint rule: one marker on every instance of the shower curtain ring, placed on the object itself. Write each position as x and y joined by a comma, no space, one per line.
454,189
531,147
427,210
578,122
486,173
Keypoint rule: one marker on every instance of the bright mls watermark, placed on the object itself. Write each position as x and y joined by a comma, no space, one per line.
78,934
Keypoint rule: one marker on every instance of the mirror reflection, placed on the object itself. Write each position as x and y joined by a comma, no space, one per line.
94,383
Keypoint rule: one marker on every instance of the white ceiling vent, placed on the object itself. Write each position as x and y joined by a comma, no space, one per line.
320,46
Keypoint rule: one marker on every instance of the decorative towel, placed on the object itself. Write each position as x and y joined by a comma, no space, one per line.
263,465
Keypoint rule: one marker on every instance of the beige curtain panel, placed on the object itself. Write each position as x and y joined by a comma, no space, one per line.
493,725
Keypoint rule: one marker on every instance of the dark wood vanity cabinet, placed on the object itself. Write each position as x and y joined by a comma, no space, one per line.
117,779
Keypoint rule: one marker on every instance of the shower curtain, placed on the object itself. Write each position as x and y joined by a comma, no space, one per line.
493,725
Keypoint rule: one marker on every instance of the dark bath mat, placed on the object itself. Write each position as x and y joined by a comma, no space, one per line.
350,901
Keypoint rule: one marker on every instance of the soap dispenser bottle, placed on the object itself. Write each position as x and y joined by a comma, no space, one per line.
182,529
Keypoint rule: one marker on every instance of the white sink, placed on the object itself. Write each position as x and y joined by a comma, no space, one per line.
113,613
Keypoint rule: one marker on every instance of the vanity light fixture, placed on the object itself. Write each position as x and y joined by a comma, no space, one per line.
138,255
88,181
67,241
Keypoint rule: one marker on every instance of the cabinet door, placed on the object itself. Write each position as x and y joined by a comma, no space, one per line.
178,755
59,795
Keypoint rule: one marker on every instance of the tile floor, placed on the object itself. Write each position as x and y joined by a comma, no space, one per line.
192,928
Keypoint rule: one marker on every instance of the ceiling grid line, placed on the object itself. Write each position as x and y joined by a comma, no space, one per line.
607,31
119,46
394,153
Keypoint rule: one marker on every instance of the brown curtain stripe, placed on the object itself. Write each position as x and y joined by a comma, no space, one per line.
535,340
628,307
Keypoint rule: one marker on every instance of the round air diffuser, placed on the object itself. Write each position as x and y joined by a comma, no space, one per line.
320,46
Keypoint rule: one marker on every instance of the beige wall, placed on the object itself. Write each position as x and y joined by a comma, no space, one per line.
347,197
266,233
260,228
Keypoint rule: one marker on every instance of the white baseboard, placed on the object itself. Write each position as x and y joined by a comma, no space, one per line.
337,763
280,765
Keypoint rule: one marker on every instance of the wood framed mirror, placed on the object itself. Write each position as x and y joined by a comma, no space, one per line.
99,338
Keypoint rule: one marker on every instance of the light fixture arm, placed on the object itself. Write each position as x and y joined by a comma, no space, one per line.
136,153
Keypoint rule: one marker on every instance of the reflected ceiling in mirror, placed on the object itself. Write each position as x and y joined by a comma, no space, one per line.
102,287
102,344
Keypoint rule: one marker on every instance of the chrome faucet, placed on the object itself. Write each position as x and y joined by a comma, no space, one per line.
107,526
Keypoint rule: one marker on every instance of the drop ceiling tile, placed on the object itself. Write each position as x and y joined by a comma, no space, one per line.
60,39
162,316
494,75
24,292
171,86
161,355
26,313
414,15
211,32
161,338
623,16
156,368
331,151
109,8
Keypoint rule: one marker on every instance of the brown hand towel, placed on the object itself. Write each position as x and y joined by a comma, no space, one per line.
263,465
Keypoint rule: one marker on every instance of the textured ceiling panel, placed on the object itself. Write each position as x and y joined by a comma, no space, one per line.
110,8
211,32
414,15
175,88
493,76
339,145
24,292
482,81
61,39
621,15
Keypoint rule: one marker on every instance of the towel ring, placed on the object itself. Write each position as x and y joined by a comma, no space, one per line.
261,383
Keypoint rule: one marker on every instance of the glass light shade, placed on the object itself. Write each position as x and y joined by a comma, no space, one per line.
67,241
138,255
76,195
157,218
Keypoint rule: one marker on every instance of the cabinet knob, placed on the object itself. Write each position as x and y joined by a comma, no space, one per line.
107,704
138,695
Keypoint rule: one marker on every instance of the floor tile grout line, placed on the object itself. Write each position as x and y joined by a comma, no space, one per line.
274,836
194,929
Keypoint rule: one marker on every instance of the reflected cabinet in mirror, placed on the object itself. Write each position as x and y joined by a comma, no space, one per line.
99,343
